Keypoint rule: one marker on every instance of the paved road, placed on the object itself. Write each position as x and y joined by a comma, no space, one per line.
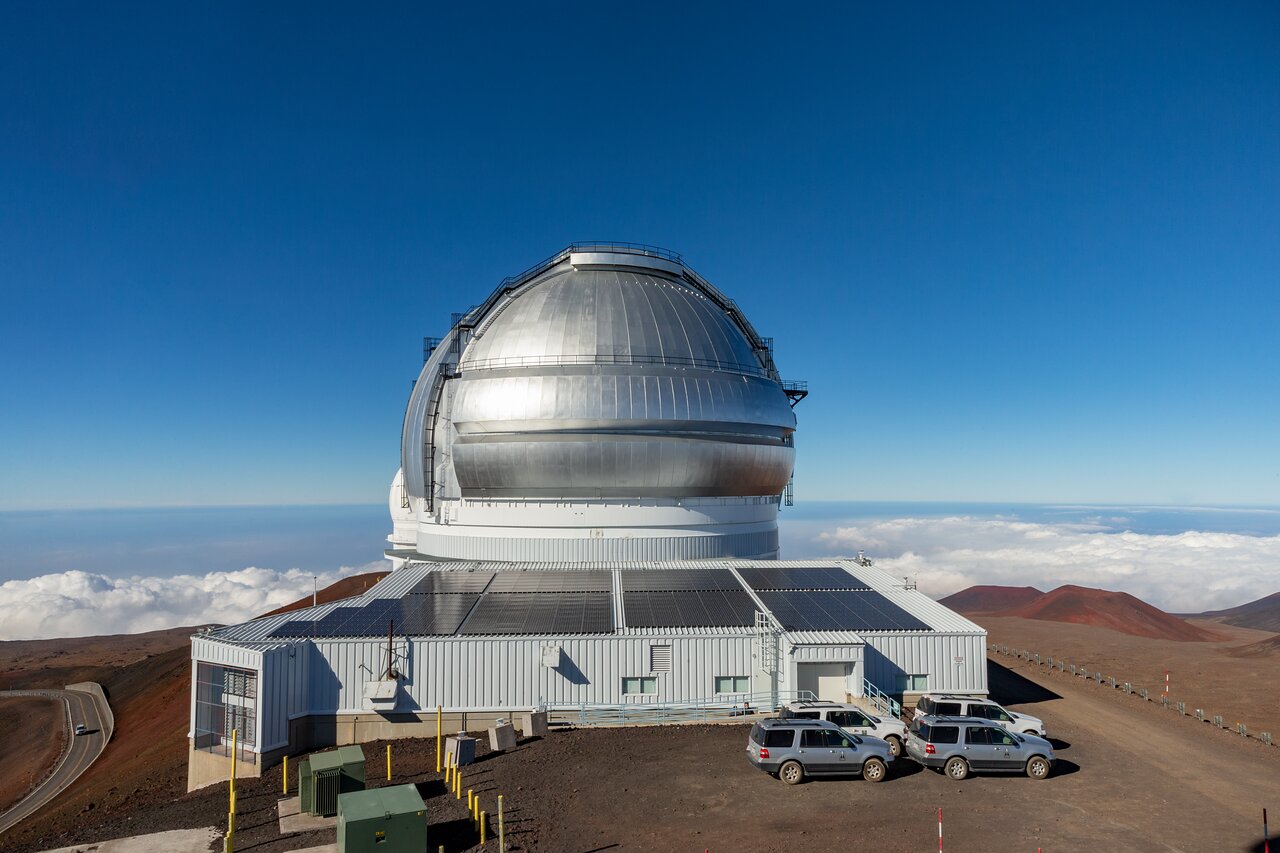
83,750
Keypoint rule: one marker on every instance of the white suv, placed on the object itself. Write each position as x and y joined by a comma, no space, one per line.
944,705
852,719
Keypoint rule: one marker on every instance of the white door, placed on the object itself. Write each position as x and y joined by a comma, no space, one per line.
828,681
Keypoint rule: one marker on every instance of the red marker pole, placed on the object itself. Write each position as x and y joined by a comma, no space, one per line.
1166,683
1266,835
939,830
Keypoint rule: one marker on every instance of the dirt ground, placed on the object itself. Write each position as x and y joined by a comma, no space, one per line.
1131,776
1203,674
32,736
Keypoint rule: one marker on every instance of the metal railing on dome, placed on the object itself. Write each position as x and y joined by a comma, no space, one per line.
593,246
627,358
712,709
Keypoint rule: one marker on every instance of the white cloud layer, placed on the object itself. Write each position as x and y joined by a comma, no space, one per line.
1186,573
80,604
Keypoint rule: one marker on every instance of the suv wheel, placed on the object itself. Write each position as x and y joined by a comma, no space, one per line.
1038,767
895,746
957,768
873,770
791,772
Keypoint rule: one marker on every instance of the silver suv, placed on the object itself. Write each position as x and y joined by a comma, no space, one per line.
794,749
945,705
852,719
960,745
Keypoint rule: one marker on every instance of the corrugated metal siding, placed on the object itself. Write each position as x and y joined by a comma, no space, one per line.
507,672
889,655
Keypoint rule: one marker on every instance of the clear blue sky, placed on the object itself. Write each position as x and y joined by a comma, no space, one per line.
1021,254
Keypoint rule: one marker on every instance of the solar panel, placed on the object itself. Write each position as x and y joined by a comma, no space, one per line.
447,581
297,628
553,580
542,613
434,614
688,608
843,610
780,578
661,580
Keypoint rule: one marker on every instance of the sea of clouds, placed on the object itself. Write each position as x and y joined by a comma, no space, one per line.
83,604
1187,572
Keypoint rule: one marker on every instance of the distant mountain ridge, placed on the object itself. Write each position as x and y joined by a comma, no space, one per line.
1262,614
1081,605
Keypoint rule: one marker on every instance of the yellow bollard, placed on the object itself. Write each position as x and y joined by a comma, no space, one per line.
231,793
502,838
388,762
469,800
439,721
457,782
484,818
475,811
286,775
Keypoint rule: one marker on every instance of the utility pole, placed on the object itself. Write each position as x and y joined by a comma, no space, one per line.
315,588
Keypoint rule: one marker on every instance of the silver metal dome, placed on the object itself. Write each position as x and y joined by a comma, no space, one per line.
602,374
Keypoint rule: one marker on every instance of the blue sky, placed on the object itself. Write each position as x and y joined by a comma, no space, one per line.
1020,254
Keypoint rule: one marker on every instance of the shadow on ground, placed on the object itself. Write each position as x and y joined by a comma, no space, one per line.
1009,688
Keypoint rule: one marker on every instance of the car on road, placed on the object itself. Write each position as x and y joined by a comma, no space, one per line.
80,729
793,750
944,705
959,746
852,719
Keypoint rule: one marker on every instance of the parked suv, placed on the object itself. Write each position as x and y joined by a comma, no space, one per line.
793,749
852,719
960,745
945,705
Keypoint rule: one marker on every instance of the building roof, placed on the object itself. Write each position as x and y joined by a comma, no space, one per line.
459,591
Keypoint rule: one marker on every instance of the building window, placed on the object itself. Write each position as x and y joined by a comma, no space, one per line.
226,702
732,684
640,686
659,658
913,683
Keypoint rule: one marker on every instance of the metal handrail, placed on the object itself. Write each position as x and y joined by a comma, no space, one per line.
716,708
883,702
609,358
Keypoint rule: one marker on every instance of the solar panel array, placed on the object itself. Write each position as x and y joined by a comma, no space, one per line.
843,610
553,580
823,598
640,580
542,613
822,577
423,615
688,608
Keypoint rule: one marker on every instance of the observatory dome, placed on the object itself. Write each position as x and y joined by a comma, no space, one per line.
606,395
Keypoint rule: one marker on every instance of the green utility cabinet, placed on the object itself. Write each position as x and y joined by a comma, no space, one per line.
306,788
382,820
323,777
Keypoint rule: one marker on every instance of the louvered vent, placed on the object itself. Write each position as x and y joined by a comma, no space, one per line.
659,658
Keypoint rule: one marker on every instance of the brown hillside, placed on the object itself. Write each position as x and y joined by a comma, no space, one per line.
990,598
26,749
345,588
1102,608
1263,614
1269,647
